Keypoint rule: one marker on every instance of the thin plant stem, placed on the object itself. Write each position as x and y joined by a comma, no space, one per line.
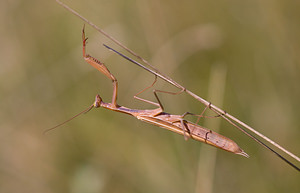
207,158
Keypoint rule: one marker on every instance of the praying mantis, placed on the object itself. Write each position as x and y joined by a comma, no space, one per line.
158,117
175,123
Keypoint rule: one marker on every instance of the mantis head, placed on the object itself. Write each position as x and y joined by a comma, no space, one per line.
98,101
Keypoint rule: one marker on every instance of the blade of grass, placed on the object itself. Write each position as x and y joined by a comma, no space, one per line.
207,159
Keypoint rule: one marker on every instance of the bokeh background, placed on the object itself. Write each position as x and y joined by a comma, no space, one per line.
244,56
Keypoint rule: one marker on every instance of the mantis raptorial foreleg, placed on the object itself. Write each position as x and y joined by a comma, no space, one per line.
101,67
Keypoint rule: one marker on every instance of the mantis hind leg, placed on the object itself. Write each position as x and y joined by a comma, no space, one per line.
202,114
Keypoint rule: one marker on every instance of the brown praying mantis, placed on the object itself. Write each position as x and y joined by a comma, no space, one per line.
158,117
175,123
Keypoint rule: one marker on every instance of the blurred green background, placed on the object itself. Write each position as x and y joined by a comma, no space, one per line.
241,55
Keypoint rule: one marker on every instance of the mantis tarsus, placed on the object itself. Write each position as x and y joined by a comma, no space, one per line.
113,106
